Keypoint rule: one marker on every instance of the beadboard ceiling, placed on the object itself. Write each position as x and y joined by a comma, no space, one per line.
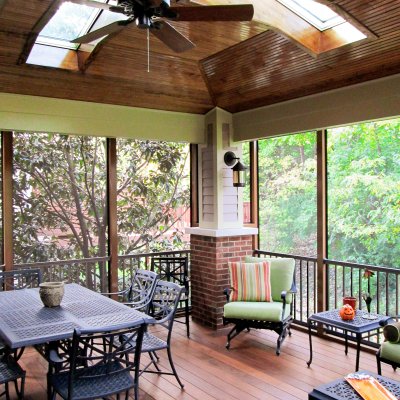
235,65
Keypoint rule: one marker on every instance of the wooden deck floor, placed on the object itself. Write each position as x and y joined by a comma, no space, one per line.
249,370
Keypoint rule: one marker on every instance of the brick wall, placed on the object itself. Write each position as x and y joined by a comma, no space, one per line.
209,273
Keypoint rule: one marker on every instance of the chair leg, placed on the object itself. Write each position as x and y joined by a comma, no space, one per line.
154,361
233,333
17,354
20,392
282,335
187,318
378,362
173,367
7,392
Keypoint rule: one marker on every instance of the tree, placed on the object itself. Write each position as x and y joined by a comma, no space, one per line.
287,179
60,195
364,193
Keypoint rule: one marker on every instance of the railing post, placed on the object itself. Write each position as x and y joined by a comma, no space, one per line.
322,276
7,162
112,215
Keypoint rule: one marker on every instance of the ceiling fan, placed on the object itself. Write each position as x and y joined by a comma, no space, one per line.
152,15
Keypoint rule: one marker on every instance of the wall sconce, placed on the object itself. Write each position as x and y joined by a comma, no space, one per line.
238,169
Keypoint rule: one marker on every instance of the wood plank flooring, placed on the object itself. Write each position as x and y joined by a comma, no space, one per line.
249,370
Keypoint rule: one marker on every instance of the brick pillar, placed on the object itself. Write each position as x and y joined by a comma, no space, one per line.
210,276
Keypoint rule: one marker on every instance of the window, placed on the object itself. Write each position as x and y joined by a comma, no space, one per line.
69,22
317,14
59,197
364,193
287,194
53,47
153,195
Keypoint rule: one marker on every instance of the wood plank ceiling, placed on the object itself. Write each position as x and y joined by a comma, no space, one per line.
236,65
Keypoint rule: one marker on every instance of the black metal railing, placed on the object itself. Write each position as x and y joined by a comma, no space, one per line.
88,272
349,279
343,279
305,302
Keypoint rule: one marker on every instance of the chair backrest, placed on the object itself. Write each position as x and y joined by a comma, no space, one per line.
103,354
165,303
282,274
172,269
20,279
142,289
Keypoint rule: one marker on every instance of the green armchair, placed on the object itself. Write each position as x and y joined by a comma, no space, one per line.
389,352
276,314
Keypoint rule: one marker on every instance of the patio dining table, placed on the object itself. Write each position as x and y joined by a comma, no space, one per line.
24,321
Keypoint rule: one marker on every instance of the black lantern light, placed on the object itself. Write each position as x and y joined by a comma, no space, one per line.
238,169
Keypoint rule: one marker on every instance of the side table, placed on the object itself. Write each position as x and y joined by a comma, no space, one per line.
358,326
339,389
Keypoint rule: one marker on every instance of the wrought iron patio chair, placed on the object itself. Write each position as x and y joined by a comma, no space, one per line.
19,279
389,351
90,371
140,292
10,371
275,315
164,305
175,269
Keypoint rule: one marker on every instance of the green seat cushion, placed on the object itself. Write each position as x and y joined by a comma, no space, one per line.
391,351
254,310
282,270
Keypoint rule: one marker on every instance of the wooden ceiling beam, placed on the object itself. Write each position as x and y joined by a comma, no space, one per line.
37,28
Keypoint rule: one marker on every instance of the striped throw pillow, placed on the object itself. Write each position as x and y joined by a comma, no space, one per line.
250,281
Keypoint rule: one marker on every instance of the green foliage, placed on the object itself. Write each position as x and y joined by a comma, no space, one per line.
60,188
287,187
153,195
364,193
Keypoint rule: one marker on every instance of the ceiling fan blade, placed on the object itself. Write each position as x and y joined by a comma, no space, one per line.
105,30
171,37
234,12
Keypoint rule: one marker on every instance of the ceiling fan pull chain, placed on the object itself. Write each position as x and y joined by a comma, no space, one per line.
148,49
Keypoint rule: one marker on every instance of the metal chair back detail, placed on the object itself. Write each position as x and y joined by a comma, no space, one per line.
10,371
164,305
97,364
18,279
140,292
175,269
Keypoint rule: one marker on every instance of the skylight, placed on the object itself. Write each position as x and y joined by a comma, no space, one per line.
73,20
317,14
70,21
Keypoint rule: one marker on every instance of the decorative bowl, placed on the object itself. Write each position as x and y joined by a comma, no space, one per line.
51,293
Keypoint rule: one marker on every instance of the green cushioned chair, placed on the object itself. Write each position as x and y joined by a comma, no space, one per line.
275,315
389,352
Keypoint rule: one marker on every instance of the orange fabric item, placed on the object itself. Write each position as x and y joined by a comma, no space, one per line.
369,388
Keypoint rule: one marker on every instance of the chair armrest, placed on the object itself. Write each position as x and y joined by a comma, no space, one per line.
387,321
119,293
227,292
